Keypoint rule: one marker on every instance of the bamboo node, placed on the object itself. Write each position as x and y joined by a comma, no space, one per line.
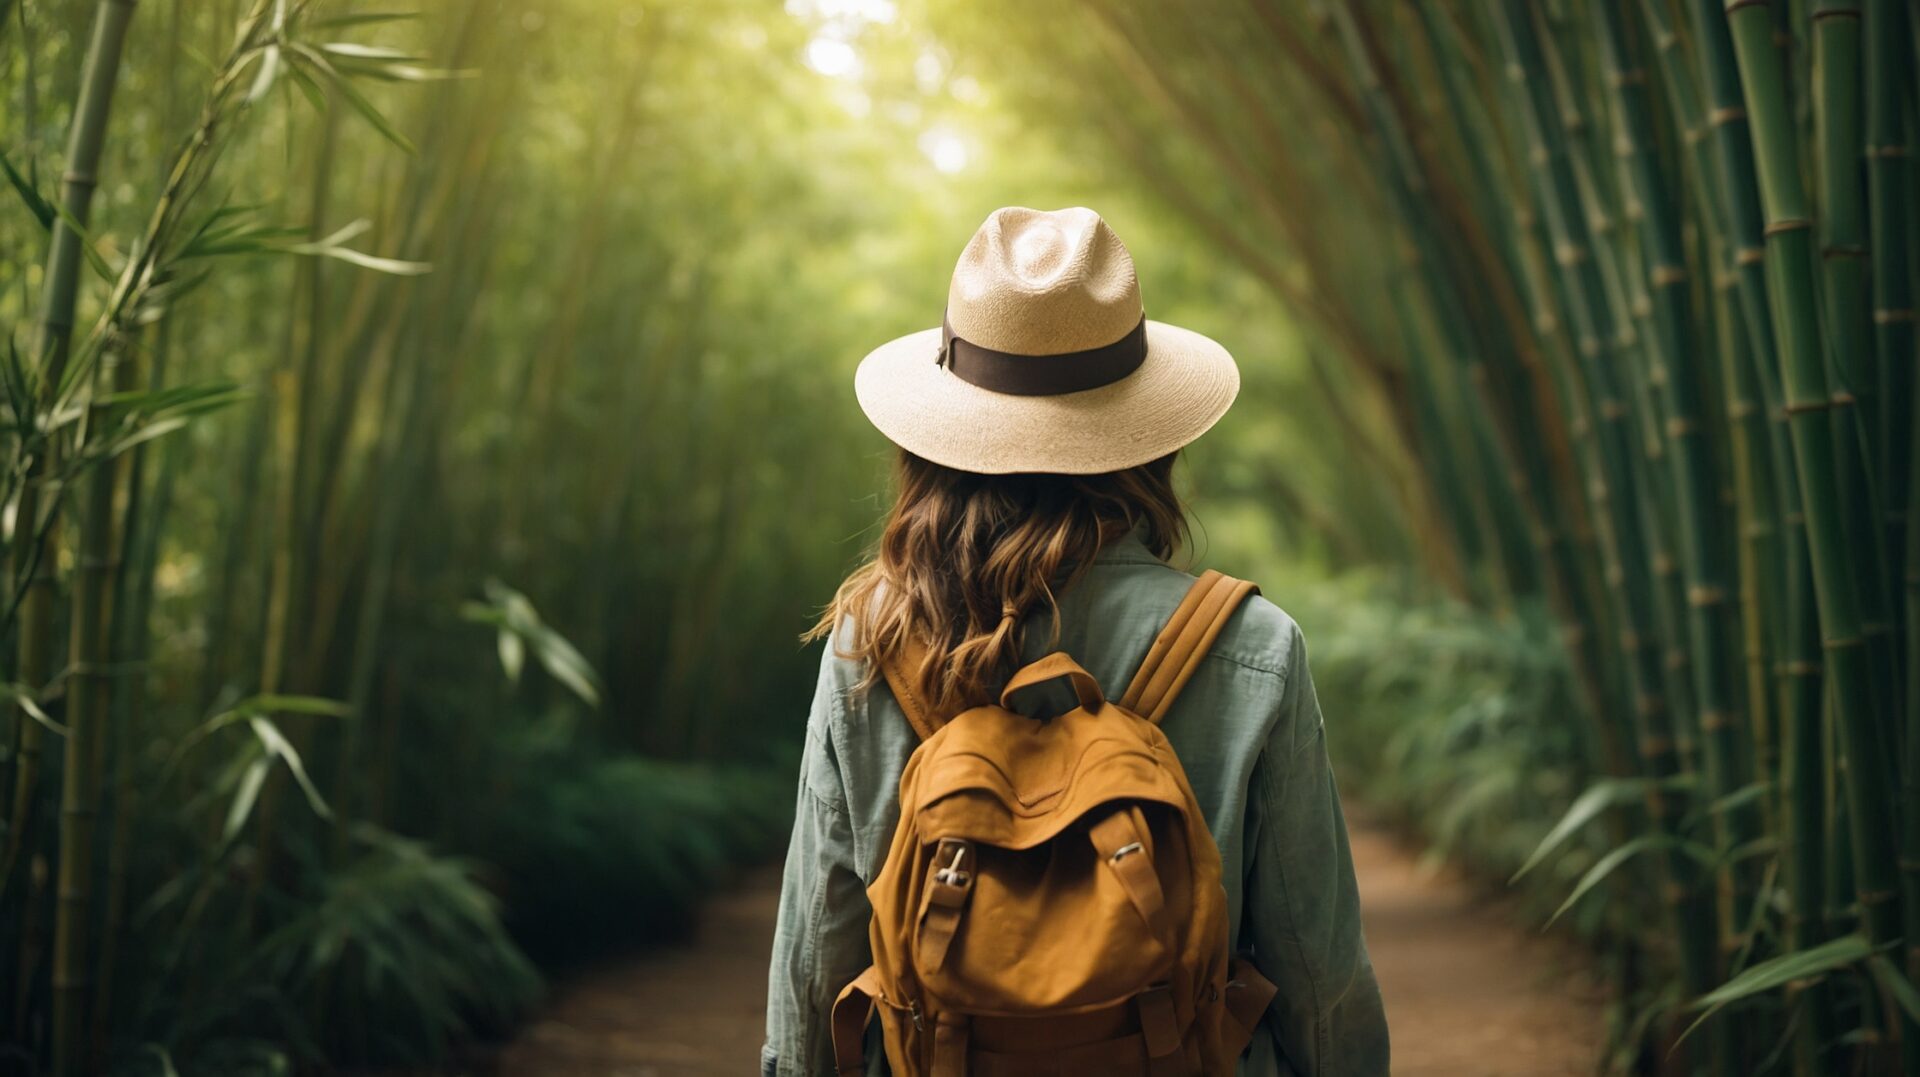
1629,639
1893,316
1876,897
1664,275
1713,721
1842,643
1894,152
1750,256
1875,628
1843,250
1700,597
1800,667
1726,114
1795,408
1844,399
1569,254
1785,225
1739,408
1612,409
1681,426
1655,747
1590,347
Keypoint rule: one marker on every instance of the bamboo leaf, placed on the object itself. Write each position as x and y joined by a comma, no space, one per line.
367,110
38,205
1896,984
394,266
269,69
1600,796
279,746
245,797
513,654
1607,864
362,19
257,706
1778,972
567,665
288,704
163,1058
24,698
358,51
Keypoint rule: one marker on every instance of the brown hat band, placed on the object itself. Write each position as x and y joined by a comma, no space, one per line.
1042,375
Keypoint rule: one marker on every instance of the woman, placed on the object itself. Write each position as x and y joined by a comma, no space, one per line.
1036,512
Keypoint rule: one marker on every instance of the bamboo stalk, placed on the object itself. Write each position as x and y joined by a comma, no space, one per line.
1611,480
1809,404
79,794
1702,529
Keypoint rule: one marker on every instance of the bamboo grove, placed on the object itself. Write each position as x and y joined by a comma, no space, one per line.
1628,286
391,400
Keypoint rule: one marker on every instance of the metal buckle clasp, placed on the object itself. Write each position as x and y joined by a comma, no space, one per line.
951,875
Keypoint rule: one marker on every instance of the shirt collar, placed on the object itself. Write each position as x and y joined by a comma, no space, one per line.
1128,549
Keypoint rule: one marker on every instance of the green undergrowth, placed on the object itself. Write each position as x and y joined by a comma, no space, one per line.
600,855
1459,727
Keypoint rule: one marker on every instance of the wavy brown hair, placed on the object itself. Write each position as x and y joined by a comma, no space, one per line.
964,558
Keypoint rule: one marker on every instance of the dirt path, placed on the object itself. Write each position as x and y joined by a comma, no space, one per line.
1468,994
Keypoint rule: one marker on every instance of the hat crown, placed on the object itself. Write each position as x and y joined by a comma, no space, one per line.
1044,282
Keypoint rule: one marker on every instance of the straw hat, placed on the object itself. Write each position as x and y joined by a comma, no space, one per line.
1047,361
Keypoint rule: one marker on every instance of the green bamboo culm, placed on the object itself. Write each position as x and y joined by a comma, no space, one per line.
1810,406
80,772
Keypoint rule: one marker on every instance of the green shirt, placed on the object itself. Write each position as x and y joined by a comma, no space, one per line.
1248,731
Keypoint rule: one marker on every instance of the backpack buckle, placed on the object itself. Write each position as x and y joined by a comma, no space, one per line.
951,875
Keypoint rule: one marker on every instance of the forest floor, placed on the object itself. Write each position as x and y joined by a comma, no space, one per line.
1469,993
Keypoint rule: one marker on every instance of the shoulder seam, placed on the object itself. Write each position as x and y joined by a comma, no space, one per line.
1248,663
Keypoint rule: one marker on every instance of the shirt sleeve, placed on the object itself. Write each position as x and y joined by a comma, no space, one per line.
820,936
1303,904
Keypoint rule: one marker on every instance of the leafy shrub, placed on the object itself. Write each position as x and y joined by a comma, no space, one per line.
1456,724
401,956
596,854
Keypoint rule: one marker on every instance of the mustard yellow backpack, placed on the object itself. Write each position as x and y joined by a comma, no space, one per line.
1051,903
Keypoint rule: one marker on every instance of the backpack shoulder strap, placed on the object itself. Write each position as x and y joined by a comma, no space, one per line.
1178,649
902,677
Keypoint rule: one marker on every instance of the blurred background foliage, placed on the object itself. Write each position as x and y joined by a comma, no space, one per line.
409,543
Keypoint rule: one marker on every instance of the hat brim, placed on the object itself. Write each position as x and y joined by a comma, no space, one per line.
1184,385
